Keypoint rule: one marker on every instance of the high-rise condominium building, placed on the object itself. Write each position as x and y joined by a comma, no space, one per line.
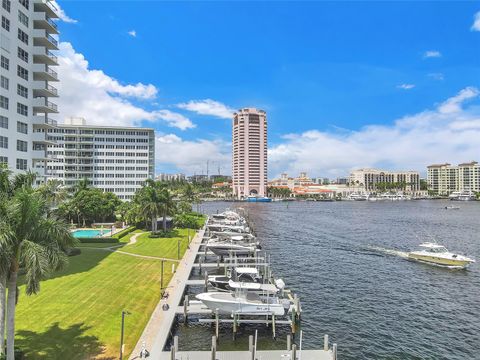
25,83
373,179
443,179
249,155
114,159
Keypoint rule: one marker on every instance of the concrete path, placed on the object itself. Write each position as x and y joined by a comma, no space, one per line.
157,331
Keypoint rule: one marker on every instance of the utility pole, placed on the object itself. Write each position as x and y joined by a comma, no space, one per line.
124,313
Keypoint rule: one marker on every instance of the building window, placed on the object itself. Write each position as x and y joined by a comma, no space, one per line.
5,23
4,62
21,164
3,102
22,54
6,4
4,82
4,142
24,3
22,91
3,122
3,160
22,146
22,109
22,72
22,36
23,18
22,127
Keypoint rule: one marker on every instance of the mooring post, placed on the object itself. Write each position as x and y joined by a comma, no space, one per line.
294,352
325,342
273,326
172,353
175,343
293,321
289,342
185,309
214,347
206,280
250,343
200,264
334,351
217,321
218,262
234,326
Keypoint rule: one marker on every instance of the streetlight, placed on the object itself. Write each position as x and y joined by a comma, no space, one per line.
124,313
178,249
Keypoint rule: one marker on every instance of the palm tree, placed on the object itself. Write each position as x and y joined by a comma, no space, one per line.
54,193
30,239
150,202
167,204
190,195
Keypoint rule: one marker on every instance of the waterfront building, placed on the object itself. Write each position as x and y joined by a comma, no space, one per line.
443,179
285,181
114,159
249,153
170,177
26,76
372,180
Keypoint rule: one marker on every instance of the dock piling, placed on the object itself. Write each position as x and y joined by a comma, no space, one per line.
214,347
175,343
250,343
217,323
273,327
185,309
325,342
206,280
289,342
172,353
334,351
294,352
234,326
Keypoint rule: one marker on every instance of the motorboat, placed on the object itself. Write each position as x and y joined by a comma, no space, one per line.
242,302
239,229
245,237
452,207
358,197
466,195
258,199
239,274
223,248
436,254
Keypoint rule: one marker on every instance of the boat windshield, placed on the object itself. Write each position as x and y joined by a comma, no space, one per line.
437,250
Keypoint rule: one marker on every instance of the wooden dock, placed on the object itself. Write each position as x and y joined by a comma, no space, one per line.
247,355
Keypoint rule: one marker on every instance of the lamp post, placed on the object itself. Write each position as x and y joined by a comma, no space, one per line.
178,249
124,313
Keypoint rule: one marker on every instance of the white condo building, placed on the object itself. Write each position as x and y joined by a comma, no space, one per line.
369,178
26,77
114,159
249,155
443,179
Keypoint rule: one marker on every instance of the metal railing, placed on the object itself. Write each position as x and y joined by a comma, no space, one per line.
52,89
52,73
52,23
52,40
51,106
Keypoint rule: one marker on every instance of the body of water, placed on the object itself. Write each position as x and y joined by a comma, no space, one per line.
346,261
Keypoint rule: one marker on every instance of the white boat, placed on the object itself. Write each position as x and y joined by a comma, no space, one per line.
466,195
242,302
432,253
358,197
240,274
452,207
223,248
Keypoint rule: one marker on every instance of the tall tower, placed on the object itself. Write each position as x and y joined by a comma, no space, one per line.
249,153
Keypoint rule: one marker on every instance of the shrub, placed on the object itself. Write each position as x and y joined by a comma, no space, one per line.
98,240
73,251
184,221
124,232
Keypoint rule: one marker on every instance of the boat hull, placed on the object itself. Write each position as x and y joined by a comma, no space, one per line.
453,263
242,307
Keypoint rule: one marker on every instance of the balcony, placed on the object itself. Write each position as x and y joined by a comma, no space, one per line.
43,122
42,22
41,138
47,7
42,38
43,56
41,105
42,89
44,73
39,155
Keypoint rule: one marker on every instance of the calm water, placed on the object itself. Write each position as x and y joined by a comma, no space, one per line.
344,260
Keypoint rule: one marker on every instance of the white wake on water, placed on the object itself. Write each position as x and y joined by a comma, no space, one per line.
392,252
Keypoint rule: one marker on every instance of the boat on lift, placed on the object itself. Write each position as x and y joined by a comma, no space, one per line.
239,274
436,254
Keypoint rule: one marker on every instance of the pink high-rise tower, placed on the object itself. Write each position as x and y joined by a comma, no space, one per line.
249,153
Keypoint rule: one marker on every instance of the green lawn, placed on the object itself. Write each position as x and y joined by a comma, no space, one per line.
161,247
77,313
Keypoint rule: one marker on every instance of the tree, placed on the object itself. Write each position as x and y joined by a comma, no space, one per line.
149,199
30,239
167,204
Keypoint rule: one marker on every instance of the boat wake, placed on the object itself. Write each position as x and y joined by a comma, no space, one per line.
391,252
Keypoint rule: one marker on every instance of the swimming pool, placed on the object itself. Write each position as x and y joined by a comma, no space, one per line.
89,233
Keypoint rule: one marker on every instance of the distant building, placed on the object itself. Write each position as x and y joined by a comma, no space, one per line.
197,178
113,159
443,179
217,178
290,182
341,181
372,179
170,177
249,153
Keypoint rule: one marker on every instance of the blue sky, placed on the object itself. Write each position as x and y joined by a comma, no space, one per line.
329,74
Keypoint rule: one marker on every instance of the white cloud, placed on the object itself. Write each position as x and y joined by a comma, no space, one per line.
62,15
191,156
432,54
103,100
450,132
132,33
476,22
208,107
436,76
406,86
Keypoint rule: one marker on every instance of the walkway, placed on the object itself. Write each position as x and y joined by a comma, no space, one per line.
157,331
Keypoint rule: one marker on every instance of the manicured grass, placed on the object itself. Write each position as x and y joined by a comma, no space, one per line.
97,245
77,313
161,247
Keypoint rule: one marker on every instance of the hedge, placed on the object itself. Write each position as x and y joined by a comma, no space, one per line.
73,251
98,240
124,232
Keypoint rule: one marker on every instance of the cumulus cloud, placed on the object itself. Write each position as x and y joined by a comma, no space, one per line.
208,107
191,156
450,132
476,22
62,15
103,100
432,54
406,86
132,33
